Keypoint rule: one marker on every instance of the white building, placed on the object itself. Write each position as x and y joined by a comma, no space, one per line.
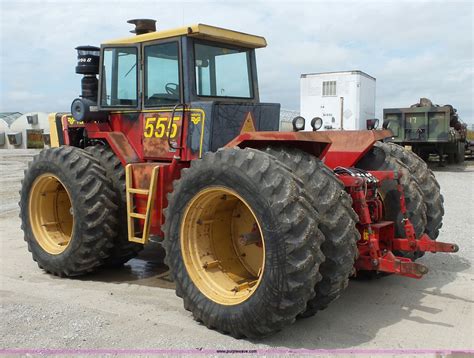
344,100
3,134
31,130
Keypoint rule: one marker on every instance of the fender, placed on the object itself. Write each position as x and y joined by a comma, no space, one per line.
116,140
63,127
348,147
315,143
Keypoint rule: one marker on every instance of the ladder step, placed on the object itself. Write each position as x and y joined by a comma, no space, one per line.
138,240
138,191
138,216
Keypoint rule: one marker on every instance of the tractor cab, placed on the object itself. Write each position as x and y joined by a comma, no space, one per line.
189,64
197,81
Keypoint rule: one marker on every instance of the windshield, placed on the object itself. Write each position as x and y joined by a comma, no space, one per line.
222,72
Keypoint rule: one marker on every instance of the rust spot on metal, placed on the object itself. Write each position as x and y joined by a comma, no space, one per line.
117,140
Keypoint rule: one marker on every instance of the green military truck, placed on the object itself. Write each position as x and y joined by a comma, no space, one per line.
428,129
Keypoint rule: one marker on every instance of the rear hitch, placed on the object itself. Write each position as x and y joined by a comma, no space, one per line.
378,241
392,264
424,244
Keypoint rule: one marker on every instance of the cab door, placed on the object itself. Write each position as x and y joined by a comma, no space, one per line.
162,115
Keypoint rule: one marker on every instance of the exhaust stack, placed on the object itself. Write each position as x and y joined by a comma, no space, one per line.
143,26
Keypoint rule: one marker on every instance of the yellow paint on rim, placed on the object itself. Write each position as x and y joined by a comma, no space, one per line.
50,212
223,268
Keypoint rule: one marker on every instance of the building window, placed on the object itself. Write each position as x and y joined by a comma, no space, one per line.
329,88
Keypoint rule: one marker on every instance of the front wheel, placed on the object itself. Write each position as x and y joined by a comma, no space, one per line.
123,250
242,243
67,211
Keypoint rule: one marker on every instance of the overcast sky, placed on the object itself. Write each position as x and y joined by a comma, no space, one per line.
414,49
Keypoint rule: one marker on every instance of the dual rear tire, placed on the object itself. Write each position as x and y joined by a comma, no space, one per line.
300,222
242,242
424,202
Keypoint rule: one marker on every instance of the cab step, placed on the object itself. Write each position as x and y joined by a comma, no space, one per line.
131,215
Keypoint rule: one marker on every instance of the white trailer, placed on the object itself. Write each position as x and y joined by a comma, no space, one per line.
344,100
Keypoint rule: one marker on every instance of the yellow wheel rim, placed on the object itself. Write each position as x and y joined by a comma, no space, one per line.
222,245
50,212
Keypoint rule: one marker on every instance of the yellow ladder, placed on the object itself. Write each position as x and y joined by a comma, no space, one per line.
131,215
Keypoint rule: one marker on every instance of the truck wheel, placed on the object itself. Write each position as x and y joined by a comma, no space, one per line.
460,153
428,184
123,249
242,242
337,223
380,158
67,211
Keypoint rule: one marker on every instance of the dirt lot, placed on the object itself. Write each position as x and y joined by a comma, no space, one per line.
135,306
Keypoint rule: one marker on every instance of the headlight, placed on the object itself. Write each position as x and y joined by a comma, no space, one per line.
316,123
298,123
372,123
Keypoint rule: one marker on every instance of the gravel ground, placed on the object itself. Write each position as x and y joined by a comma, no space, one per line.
135,306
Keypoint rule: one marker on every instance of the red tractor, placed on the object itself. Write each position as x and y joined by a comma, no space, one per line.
259,226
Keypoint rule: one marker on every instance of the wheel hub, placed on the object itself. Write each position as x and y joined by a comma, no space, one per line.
50,213
222,245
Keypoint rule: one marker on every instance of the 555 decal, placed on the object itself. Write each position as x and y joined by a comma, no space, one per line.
159,127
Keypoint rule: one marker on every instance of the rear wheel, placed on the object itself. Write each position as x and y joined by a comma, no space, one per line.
429,186
123,250
242,242
337,223
67,211
460,153
381,158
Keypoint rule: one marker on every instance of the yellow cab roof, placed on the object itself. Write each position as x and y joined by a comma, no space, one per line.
200,31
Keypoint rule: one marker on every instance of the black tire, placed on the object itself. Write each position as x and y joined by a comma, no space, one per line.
123,250
92,206
337,223
380,158
429,186
460,153
291,235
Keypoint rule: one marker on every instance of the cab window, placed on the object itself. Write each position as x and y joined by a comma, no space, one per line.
162,85
222,71
119,77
